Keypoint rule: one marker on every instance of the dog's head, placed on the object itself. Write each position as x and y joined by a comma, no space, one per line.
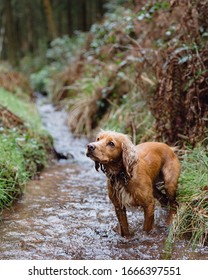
112,149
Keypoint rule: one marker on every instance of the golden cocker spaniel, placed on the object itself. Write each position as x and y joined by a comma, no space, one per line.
133,173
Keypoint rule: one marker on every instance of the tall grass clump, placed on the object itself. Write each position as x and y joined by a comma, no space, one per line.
192,218
13,174
23,156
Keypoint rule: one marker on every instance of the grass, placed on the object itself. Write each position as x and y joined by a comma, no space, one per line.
191,220
23,151
88,103
194,175
13,174
23,108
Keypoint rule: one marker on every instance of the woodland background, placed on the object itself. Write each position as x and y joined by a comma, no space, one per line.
28,27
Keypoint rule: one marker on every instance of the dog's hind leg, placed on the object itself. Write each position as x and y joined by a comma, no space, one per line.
171,173
149,215
158,186
161,197
173,207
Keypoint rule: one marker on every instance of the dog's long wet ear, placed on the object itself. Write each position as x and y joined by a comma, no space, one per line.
97,165
128,156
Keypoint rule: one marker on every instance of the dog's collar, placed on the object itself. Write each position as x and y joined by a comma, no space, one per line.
120,177
114,178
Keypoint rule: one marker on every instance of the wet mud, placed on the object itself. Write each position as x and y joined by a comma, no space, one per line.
66,213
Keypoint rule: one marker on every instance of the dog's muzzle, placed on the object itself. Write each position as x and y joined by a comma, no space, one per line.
90,149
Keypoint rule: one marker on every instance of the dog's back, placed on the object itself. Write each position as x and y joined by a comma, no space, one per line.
161,165
158,157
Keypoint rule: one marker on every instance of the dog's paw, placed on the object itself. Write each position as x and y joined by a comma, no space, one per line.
118,230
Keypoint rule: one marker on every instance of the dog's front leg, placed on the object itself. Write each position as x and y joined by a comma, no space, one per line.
123,223
120,212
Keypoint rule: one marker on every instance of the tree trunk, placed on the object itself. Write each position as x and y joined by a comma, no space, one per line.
83,15
10,33
50,21
69,17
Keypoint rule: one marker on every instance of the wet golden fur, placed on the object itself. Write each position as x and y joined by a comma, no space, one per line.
133,172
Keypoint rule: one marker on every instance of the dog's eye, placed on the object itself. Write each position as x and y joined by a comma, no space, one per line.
98,139
111,144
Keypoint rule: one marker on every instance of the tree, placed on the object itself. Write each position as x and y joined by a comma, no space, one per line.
49,16
10,33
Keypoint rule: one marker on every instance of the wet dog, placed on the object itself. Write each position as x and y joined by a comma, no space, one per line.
133,173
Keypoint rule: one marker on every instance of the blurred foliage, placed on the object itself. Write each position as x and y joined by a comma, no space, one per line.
14,81
150,8
62,49
58,56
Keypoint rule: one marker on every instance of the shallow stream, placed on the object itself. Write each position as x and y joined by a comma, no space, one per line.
66,214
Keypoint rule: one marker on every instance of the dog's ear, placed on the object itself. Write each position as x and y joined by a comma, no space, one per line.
97,165
128,156
100,132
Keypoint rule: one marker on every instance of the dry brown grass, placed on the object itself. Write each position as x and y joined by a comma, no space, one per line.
180,104
14,81
10,120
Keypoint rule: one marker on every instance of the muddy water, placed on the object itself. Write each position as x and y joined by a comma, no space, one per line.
66,213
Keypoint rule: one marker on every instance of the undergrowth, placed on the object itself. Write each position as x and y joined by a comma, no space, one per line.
24,145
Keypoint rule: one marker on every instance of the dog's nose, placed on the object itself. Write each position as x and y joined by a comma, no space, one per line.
91,147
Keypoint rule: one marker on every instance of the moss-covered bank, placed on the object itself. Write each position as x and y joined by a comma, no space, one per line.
23,145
